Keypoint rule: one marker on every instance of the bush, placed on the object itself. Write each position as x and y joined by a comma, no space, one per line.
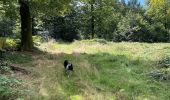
12,44
133,27
37,40
159,33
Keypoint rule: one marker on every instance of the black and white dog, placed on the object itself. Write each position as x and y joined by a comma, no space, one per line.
68,67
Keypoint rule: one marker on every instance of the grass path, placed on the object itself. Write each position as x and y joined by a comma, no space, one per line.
103,71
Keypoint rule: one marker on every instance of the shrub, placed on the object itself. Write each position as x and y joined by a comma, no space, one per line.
12,44
131,28
134,27
37,40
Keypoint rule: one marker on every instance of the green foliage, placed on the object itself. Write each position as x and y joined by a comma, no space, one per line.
64,28
16,58
159,33
2,42
133,27
6,26
36,38
133,4
129,28
158,11
55,7
165,62
117,22
4,69
12,89
10,42
9,88
113,20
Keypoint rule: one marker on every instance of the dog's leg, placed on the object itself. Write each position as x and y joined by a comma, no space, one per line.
65,72
71,72
68,74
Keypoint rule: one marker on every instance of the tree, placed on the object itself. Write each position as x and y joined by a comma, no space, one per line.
6,22
26,25
159,11
92,17
28,8
93,14
134,4
89,9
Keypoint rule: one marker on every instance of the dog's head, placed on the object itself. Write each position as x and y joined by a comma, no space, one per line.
65,63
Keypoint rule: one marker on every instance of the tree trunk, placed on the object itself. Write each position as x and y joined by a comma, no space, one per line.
26,26
92,18
33,26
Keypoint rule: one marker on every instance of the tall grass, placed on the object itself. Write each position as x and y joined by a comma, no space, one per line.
102,71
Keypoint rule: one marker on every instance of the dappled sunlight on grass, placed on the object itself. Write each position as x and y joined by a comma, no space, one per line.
76,97
110,71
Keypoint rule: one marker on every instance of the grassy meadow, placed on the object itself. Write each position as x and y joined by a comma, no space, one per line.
102,71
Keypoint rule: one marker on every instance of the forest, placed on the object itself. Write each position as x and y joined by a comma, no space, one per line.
84,49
